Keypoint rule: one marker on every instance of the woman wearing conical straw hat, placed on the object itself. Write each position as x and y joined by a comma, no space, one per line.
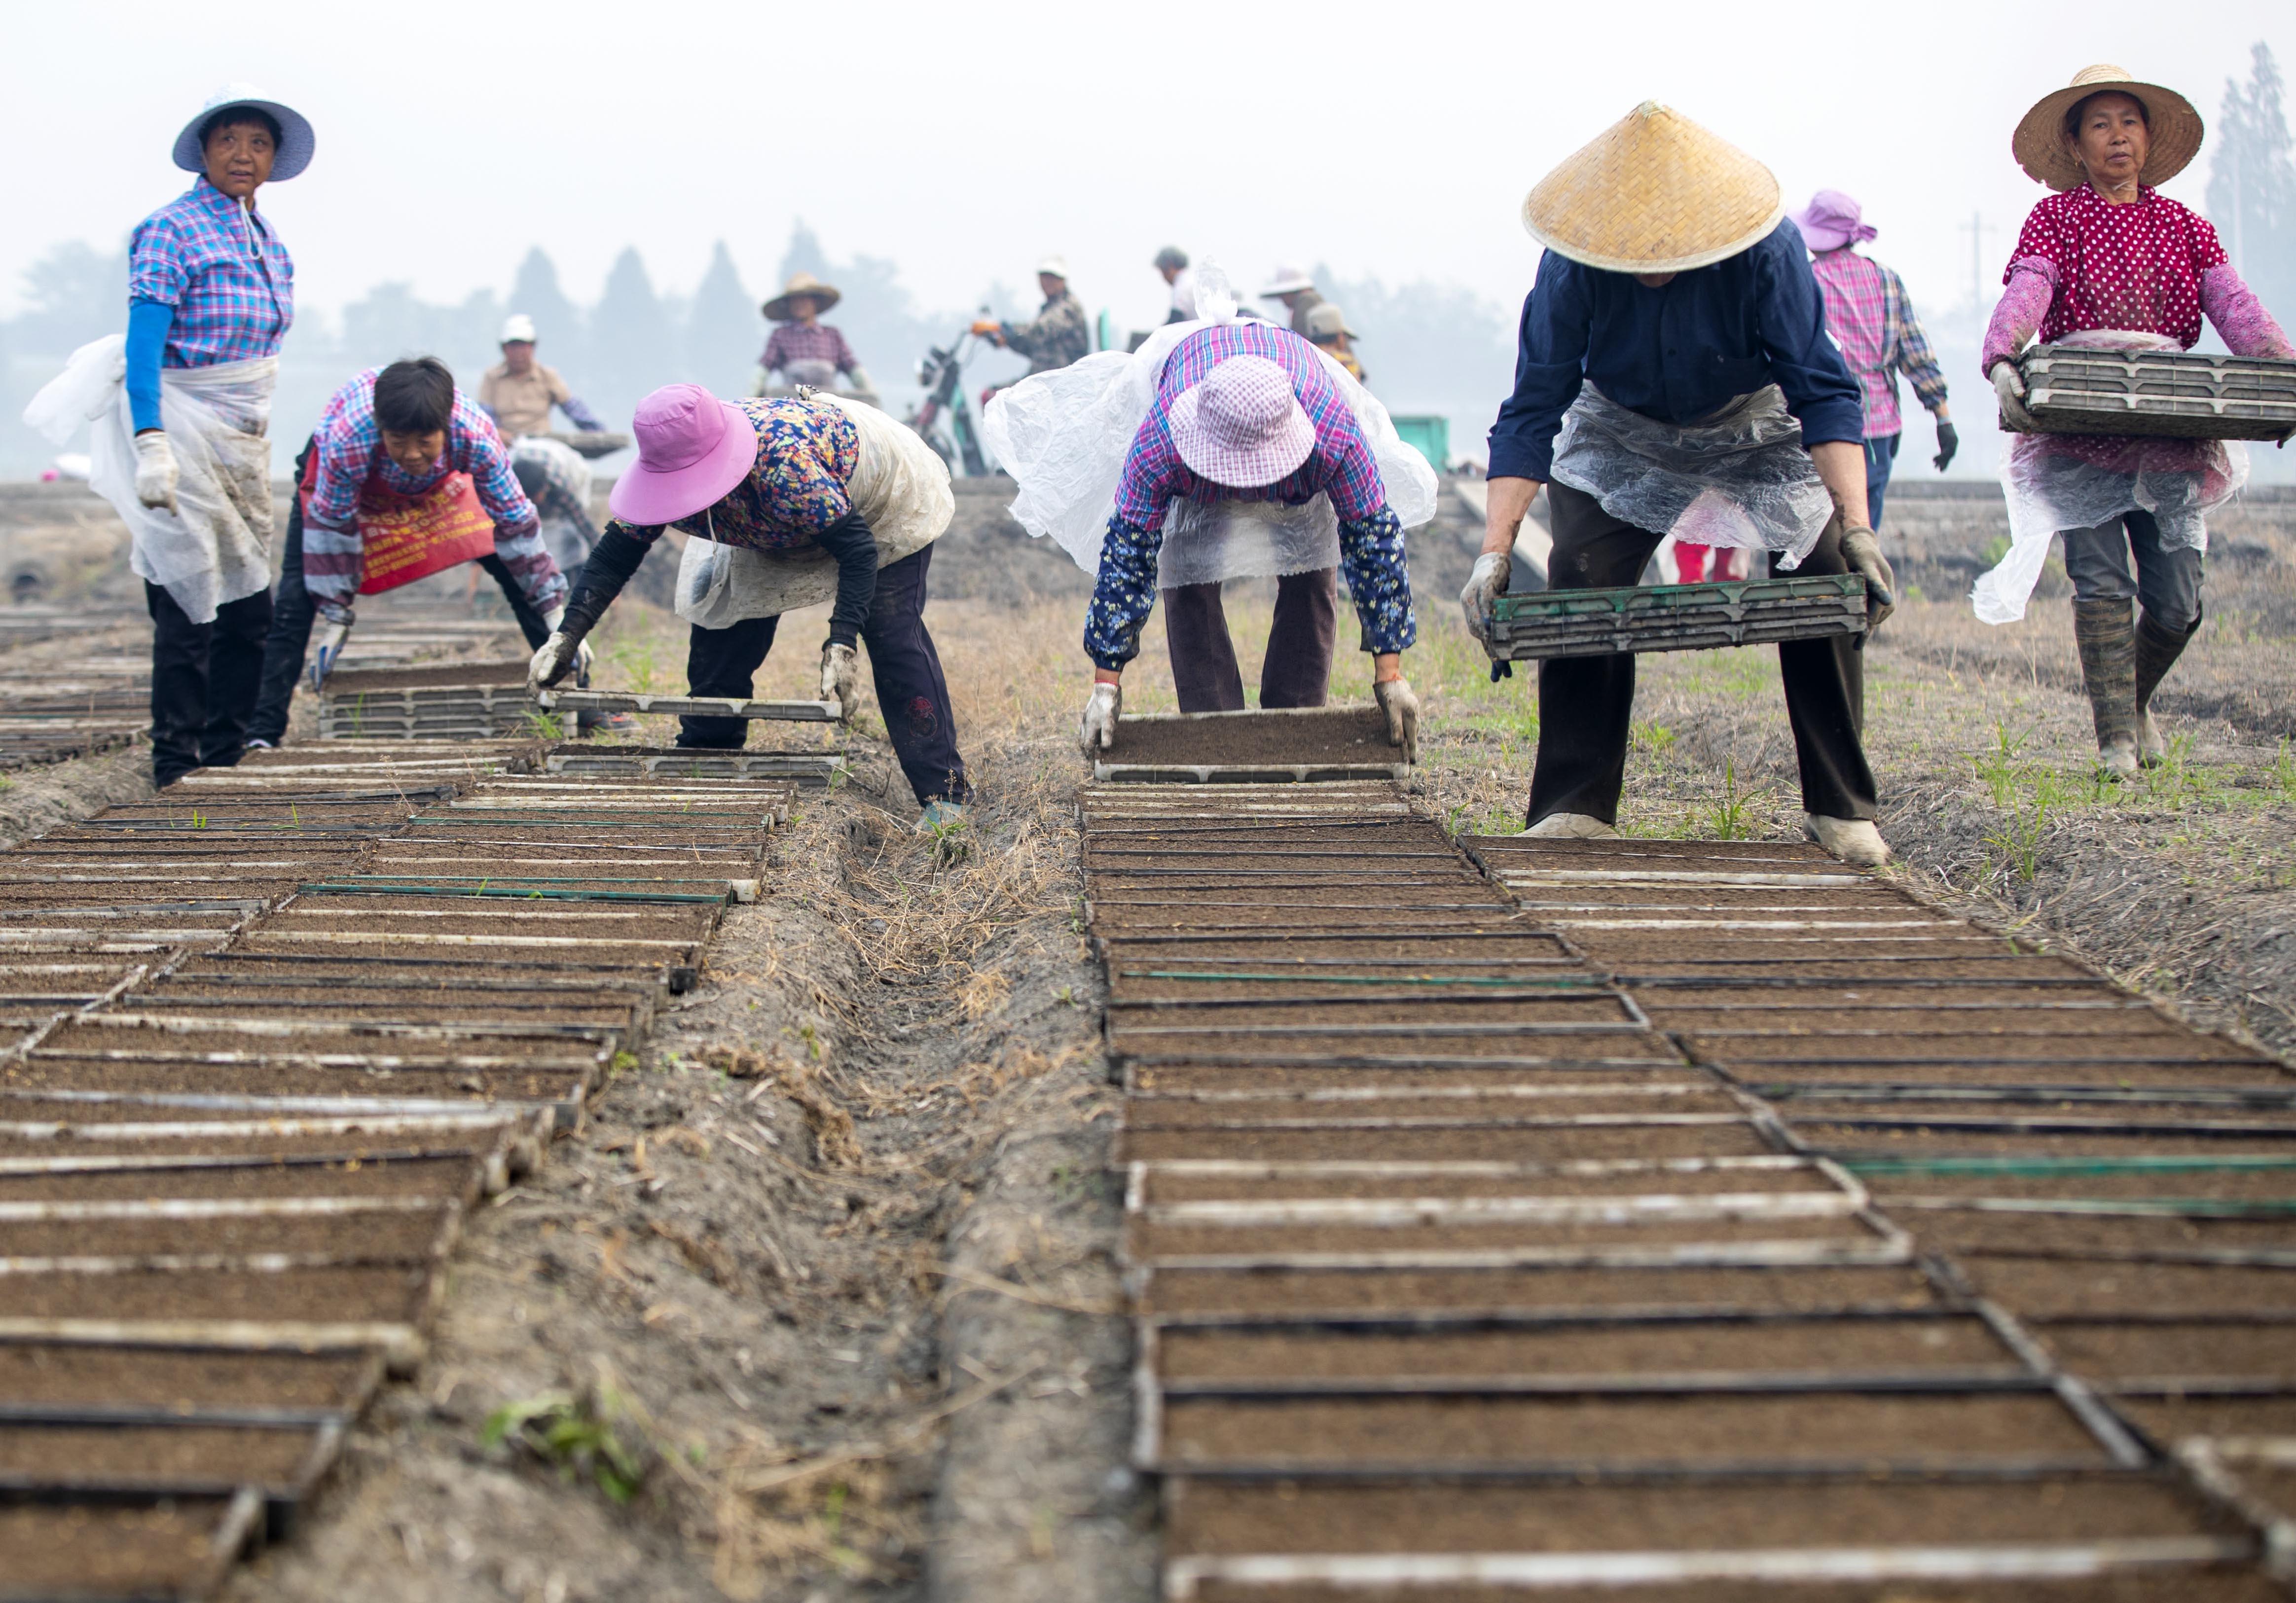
1674,375
2108,261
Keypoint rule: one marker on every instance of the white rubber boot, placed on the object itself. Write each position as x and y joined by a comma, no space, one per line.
1571,827
1855,841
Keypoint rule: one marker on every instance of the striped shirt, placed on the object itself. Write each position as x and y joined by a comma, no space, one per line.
230,281
349,443
1870,316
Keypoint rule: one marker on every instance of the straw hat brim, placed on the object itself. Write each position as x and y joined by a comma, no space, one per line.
297,143
777,309
1654,192
2039,141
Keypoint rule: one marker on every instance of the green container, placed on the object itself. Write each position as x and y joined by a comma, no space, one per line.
1430,437
1651,617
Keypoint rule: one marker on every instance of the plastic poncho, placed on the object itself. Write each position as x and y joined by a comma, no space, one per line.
1063,436
216,546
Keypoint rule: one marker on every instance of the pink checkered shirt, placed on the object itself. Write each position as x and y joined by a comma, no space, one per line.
1867,312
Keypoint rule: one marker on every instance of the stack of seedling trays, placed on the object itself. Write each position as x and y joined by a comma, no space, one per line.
823,768
1653,618
2182,394
1274,746
442,701
47,723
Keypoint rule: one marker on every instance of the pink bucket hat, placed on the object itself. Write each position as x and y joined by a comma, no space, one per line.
692,448
1831,220
1242,426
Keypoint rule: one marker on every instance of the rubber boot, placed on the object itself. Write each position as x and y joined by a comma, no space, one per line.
2106,634
2158,648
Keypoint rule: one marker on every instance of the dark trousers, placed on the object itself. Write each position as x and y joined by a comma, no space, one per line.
2168,579
911,691
1298,668
203,682
1585,703
292,614
1880,457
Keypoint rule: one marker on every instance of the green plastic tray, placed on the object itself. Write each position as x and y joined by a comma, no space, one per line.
1651,618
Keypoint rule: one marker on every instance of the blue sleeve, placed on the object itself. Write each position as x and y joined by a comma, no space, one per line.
1550,366
1806,363
148,323
580,415
1123,593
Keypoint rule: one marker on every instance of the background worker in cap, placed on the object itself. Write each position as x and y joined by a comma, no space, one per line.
787,502
1328,332
1871,318
1059,335
1172,262
802,348
1296,290
518,391
1674,374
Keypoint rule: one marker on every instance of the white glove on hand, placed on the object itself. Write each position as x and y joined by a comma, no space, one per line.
557,657
554,621
1396,700
1485,586
155,471
841,667
2009,389
1863,553
1096,730
327,647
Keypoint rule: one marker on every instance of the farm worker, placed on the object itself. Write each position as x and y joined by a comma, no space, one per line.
181,407
1674,374
1059,335
1328,332
1871,318
2108,262
518,391
557,480
802,348
405,477
1296,288
787,502
1172,262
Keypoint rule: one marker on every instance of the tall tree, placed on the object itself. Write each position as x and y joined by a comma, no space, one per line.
2252,183
557,321
633,350
723,333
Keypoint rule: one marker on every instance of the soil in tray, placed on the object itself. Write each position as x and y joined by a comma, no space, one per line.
1490,953
1712,1429
605,920
1737,1028
1719,901
1455,1518
2045,1288
1147,1242
355,1238
346,683
473,1086
1190,1114
1399,1146
180,1379
427,1006
1343,1048
2183,1583
2241,1185
581,955
448,1177
1755,857
1268,1077
2106,1352
391,1295
1302,1294
1801,1347
2172,1420
204,1456
543,1042
1923,1053
1235,918
2088,1233
1168,1185
1947,1105
1816,955
2121,1141
1340,1014
1942,1076
87,1551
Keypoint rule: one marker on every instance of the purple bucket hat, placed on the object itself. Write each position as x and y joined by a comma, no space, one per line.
1242,426
1831,220
693,449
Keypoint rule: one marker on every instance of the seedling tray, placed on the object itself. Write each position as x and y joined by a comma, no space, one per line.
2182,394
687,706
1262,747
1653,618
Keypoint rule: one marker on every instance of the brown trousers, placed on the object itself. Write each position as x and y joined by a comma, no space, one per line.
1298,671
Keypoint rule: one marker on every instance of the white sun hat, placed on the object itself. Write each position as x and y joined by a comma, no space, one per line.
1242,426
296,140
517,327
1288,279
1057,265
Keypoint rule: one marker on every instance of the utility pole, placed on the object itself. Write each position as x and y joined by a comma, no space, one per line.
1977,229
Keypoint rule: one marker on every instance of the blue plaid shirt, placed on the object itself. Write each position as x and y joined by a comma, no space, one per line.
231,282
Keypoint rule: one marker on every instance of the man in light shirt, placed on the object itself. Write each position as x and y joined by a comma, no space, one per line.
517,391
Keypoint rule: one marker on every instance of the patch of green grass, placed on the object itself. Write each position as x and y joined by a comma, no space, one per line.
576,1434
1734,815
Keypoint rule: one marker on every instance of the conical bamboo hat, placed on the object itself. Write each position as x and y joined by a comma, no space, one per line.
1654,192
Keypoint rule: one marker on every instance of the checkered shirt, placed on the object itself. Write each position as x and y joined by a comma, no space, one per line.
795,342
1868,313
230,280
349,443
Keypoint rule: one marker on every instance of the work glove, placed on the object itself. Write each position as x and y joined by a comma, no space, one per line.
1485,586
562,653
1096,730
155,471
840,665
1949,443
327,645
554,621
1863,552
1401,707
2009,388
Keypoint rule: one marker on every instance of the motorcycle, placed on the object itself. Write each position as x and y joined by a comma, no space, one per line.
940,373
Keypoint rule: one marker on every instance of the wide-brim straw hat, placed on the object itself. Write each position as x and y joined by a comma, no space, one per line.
297,143
1654,193
2039,141
777,309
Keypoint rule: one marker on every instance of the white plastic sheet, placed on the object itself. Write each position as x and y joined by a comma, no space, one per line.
899,485
215,547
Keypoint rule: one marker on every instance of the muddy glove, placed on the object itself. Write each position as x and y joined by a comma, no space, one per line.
1863,553
1402,709
2009,389
155,471
840,666
1096,730
327,645
1949,443
566,651
1485,586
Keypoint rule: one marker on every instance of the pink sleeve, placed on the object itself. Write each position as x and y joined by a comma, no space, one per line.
2248,329
2032,285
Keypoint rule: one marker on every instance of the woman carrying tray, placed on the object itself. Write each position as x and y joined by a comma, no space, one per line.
2107,262
1674,375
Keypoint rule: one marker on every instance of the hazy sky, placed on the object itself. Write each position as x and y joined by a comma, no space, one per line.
964,140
